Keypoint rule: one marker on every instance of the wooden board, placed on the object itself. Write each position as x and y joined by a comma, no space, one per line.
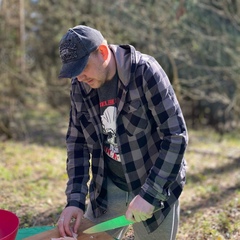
53,233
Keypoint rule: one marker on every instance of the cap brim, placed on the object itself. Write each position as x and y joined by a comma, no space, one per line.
73,69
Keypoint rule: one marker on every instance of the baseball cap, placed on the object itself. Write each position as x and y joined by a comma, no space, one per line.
75,48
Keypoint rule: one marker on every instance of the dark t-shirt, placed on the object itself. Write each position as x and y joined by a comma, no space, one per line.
108,107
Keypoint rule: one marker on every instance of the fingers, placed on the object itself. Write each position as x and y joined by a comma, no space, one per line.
77,224
129,215
65,221
139,210
64,226
61,227
136,216
139,216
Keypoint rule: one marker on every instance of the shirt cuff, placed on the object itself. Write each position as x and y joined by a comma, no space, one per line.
75,203
150,199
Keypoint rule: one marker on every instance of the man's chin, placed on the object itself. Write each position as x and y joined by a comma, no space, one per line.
96,85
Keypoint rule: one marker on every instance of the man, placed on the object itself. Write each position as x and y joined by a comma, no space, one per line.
124,117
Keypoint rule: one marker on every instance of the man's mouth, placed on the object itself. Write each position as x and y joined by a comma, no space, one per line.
89,81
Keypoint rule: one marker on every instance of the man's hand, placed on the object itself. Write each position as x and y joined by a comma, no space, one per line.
139,210
65,219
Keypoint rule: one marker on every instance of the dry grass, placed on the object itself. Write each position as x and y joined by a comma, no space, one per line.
210,204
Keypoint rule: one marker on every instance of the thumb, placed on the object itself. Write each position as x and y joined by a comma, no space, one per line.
129,215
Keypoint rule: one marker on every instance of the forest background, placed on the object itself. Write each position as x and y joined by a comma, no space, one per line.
196,42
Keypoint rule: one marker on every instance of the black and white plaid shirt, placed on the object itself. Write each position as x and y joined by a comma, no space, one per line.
151,135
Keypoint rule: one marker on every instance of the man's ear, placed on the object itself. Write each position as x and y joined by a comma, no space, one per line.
104,50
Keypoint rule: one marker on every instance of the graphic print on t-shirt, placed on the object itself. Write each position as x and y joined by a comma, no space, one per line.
108,104
109,129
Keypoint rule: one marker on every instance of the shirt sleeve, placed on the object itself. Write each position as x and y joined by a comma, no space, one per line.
77,161
168,116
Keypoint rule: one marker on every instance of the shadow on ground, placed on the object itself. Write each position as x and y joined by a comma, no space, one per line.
214,198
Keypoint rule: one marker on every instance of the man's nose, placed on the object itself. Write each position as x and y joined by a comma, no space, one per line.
81,77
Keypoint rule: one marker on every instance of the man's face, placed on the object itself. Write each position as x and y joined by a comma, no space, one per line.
94,74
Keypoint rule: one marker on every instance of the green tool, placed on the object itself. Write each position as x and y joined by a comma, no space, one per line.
114,223
109,225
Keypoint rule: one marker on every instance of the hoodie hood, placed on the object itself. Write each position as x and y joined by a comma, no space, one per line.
126,59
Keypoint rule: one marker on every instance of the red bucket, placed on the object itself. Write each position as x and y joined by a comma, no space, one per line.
9,224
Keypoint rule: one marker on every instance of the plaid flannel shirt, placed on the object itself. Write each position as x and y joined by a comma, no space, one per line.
151,136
